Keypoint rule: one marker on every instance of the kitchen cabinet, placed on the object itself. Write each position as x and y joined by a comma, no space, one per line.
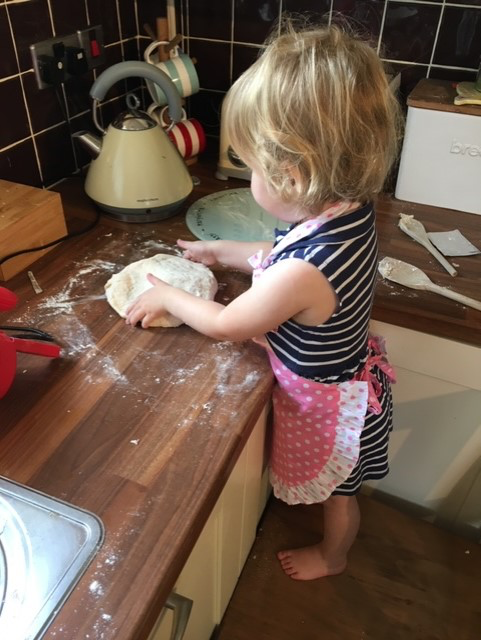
436,442
216,561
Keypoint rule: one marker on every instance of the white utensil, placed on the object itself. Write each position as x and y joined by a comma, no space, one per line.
410,276
416,231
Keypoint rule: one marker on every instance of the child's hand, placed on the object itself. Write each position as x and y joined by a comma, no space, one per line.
148,306
198,251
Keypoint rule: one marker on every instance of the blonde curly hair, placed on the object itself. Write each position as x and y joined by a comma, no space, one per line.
316,117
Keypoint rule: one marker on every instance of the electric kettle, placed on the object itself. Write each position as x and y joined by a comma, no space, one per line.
136,174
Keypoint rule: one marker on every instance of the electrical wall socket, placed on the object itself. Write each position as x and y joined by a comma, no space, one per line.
57,59
92,41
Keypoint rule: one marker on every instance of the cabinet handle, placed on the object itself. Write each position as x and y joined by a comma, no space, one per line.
181,607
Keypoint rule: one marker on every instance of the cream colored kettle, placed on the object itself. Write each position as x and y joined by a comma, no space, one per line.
137,174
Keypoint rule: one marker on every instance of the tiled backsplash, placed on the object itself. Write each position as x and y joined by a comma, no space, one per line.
435,39
35,143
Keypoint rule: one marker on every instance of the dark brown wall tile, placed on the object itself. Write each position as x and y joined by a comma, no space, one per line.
213,63
364,17
410,76
82,122
30,24
13,113
210,19
68,16
410,30
8,61
149,11
408,36
131,49
243,57
44,106
19,164
474,3
254,20
127,19
459,40
111,109
206,106
315,9
104,12
77,92
55,153
455,75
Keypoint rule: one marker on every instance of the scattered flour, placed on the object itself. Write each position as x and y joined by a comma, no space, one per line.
155,246
96,588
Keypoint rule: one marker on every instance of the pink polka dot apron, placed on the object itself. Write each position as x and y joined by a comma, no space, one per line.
318,426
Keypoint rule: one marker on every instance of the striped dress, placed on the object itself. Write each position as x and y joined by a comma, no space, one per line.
344,249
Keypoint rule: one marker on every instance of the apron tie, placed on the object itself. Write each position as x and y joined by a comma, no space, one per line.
377,358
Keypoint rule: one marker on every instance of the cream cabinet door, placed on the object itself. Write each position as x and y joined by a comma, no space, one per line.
210,574
198,582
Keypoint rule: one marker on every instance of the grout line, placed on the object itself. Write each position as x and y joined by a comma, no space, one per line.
248,44
119,24
136,13
51,18
409,62
440,20
25,102
14,144
381,30
437,4
231,46
137,28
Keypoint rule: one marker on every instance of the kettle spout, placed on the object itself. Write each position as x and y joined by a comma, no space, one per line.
92,143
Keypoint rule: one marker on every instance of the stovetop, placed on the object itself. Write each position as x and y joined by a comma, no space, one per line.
45,546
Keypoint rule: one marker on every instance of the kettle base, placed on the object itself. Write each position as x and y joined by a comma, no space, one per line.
141,215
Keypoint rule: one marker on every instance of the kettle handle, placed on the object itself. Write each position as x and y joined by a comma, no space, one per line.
134,68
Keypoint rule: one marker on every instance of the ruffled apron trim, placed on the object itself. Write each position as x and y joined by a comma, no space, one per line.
318,427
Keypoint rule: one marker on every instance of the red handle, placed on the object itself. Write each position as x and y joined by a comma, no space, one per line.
8,300
37,348
8,363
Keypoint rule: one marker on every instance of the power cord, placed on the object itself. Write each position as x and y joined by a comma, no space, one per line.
63,108
73,234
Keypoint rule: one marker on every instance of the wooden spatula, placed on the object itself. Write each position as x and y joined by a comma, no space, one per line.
410,276
415,230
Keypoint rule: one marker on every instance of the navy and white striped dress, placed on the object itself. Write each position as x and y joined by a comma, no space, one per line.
344,249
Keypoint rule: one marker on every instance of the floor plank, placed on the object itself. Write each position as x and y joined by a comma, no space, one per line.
406,580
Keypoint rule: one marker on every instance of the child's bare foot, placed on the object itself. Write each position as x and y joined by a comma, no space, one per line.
309,563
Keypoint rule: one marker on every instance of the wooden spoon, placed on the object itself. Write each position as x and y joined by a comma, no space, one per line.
410,276
415,230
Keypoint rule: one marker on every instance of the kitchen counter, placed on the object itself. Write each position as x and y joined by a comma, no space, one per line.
421,310
143,427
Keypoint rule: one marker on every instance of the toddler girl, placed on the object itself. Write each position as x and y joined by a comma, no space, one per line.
316,122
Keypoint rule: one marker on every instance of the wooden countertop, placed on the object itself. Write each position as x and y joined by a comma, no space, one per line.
439,95
421,310
143,427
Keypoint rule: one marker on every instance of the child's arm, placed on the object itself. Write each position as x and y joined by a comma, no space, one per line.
226,252
285,290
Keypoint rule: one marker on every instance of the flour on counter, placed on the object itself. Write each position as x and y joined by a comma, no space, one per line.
225,367
155,245
96,588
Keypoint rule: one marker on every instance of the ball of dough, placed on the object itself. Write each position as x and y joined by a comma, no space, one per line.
124,287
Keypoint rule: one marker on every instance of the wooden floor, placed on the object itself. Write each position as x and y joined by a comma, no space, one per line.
406,580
